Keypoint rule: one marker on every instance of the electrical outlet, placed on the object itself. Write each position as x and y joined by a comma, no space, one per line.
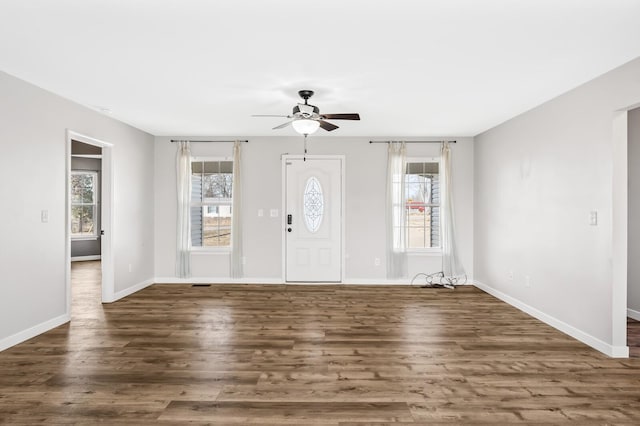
376,261
527,281
510,275
243,260
593,218
44,216
260,212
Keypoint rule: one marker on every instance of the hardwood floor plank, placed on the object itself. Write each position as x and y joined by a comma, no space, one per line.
633,337
286,412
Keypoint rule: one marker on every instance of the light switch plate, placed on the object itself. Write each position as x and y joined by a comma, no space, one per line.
273,212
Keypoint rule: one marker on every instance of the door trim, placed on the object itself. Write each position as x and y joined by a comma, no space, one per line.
108,283
284,158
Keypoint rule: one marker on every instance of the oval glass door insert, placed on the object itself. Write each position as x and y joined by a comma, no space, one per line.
313,204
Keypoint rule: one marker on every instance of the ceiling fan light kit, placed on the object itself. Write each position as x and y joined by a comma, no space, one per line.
306,118
305,126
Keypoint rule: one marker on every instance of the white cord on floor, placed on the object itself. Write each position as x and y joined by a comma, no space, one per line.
438,279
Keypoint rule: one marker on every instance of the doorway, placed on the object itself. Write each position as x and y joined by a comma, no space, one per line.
313,218
85,191
89,215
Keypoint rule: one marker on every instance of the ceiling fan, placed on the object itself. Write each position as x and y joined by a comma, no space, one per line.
306,118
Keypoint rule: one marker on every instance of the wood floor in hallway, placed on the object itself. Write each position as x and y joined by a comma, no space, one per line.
297,355
633,337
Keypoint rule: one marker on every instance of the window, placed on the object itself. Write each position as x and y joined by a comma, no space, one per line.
84,204
211,192
422,201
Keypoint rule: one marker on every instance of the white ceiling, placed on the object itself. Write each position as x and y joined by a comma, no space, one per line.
409,67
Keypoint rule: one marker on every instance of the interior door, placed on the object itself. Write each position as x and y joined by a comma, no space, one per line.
313,219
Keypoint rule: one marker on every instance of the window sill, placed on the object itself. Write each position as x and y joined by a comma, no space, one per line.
210,250
424,252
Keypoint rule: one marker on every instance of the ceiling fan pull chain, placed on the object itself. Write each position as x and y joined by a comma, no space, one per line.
304,157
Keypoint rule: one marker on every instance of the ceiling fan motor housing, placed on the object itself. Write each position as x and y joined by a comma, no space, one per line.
305,110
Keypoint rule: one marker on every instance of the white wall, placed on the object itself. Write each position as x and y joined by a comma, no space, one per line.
633,277
32,169
365,192
537,177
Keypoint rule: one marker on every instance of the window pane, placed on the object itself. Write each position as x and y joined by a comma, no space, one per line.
83,220
87,196
313,204
217,226
88,222
211,226
226,167
82,188
76,219
196,167
416,237
217,185
76,188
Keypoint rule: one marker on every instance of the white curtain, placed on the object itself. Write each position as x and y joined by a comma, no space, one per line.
396,212
183,243
236,214
451,265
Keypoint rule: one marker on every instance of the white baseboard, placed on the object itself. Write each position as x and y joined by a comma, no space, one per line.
27,334
216,280
376,281
631,313
594,342
134,288
83,258
254,280
226,280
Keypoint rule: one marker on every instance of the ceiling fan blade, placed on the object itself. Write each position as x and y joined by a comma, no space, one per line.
269,115
283,125
327,126
353,116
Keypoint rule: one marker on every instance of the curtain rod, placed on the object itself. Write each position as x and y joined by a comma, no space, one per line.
180,140
412,141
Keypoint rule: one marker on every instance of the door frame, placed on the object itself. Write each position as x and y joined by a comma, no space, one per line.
284,159
106,223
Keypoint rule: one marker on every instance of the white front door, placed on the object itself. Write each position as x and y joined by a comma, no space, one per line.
313,219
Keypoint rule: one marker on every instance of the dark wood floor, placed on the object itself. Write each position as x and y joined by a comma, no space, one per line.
332,355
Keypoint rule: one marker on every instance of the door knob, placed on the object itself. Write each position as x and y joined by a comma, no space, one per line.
288,229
